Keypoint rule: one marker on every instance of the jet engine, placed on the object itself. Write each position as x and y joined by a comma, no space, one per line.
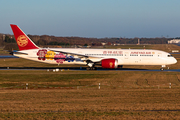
109,63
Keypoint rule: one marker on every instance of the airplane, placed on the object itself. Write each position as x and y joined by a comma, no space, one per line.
106,58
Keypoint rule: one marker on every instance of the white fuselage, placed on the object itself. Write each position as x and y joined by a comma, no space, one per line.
124,56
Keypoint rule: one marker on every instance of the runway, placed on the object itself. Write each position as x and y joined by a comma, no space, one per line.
7,56
84,69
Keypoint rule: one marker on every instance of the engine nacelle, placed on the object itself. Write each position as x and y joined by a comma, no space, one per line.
109,63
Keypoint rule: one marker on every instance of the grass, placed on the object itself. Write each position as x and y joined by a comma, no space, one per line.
90,104
46,77
78,78
93,115
123,94
3,52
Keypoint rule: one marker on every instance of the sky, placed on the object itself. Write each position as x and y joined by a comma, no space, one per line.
92,18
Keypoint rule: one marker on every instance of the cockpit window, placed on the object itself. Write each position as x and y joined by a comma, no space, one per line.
170,56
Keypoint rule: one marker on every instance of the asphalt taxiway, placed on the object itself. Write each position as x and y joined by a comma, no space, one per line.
83,69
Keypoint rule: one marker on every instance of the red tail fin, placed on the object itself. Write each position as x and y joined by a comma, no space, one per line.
23,41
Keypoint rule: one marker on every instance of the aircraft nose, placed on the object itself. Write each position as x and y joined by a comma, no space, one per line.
174,61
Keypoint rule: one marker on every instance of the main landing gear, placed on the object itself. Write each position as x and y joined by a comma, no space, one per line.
91,68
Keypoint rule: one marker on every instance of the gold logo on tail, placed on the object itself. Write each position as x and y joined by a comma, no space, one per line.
22,40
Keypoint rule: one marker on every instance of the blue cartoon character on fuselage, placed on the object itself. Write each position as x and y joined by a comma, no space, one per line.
70,58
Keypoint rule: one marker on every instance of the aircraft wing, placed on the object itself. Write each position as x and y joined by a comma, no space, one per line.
83,57
69,53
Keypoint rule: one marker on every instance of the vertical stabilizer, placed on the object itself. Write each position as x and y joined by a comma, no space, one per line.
23,41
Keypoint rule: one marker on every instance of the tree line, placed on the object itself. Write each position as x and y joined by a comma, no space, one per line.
43,40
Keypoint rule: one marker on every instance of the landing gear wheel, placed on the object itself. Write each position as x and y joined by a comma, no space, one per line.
91,68
88,68
162,69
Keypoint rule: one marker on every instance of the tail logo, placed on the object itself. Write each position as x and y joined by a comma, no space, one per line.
22,40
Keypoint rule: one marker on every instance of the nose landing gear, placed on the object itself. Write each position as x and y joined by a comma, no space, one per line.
162,68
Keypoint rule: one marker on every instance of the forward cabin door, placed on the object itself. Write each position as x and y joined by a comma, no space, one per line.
163,62
159,55
126,55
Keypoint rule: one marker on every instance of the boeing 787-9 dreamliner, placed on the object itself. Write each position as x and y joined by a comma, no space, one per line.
107,58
